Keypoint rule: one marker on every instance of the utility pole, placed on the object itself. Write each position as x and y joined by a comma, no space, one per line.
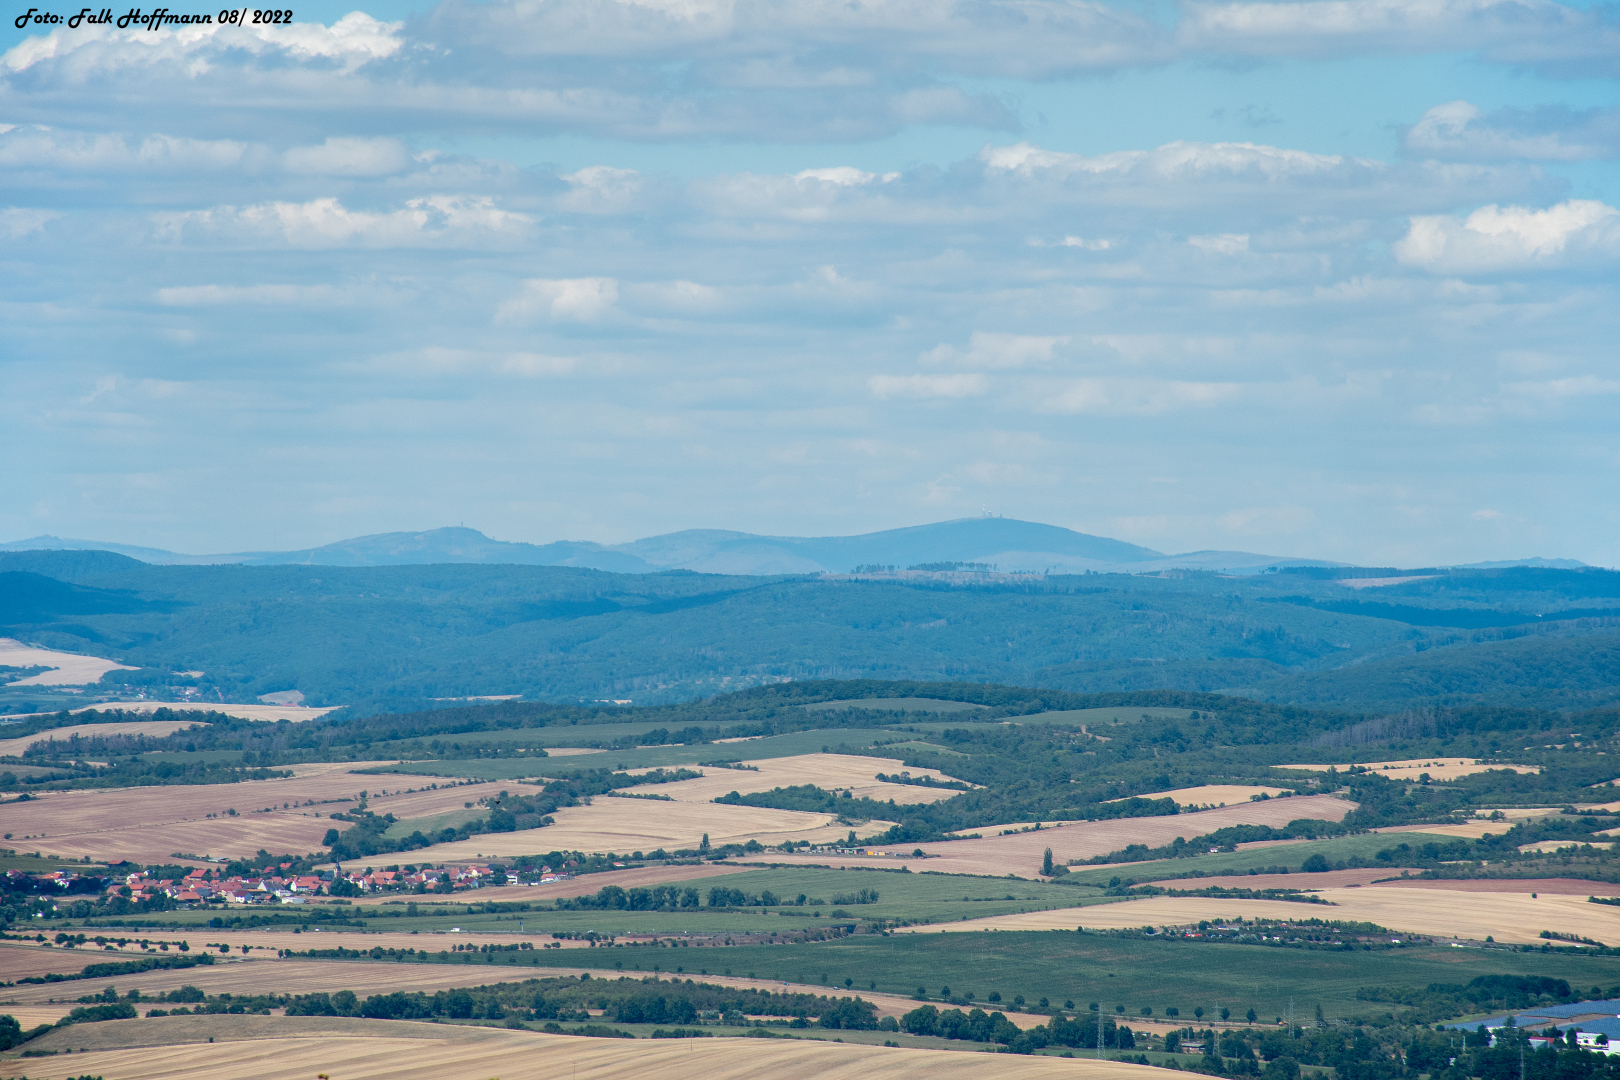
1291,1018
1100,1038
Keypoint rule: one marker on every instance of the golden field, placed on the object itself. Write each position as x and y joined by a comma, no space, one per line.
1212,794
151,824
829,772
1508,917
281,1048
1438,768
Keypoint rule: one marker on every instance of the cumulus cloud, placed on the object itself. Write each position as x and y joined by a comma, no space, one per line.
817,72
1495,238
18,222
434,221
564,300
1556,37
998,351
1460,131
349,157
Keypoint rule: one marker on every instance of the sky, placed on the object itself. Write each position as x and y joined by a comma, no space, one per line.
1332,278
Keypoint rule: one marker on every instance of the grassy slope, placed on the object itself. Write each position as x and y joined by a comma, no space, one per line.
1062,965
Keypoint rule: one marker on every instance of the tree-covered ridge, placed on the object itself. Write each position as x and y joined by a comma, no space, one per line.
390,636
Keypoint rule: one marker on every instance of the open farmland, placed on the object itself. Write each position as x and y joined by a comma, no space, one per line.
1214,794
151,824
258,976
1437,768
827,771
628,825
1508,917
154,728
67,669
1020,853
263,713
295,1048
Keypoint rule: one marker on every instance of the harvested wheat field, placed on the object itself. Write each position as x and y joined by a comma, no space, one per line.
155,728
628,825
1020,853
1553,886
257,976
1212,795
345,1049
264,713
152,824
68,669
1328,879
1412,768
1505,916
1473,830
825,771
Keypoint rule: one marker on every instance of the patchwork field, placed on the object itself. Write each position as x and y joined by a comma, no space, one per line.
1213,794
1020,854
1507,917
629,825
272,1048
1473,830
155,728
282,976
68,669
151,824
1413,768
827,771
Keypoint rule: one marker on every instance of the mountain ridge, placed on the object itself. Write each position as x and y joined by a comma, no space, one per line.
1009,544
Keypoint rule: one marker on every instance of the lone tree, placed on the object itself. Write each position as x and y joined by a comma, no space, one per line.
1046,863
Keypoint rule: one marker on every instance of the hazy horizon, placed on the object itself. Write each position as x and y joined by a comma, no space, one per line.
1318,278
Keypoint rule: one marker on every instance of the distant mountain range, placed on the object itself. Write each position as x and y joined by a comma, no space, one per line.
1007,544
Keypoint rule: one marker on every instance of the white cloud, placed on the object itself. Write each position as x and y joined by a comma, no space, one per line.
1223,244
602,189
1460,131
562,299
266,295
1524,32
434,221
1496,238
17,222
1131,396
42,148
929,386
998,351
352,40
1173,160
438,361
349,157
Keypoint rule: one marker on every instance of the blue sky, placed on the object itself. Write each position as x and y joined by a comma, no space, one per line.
1333,278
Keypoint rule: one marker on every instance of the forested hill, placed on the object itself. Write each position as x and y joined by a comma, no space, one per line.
391,636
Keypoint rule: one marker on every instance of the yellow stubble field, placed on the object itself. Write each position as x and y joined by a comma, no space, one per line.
1508,917
1438,768
151,824
278,1048
826,771
629,825
156,728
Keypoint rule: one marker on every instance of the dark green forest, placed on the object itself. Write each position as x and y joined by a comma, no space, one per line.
393,638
